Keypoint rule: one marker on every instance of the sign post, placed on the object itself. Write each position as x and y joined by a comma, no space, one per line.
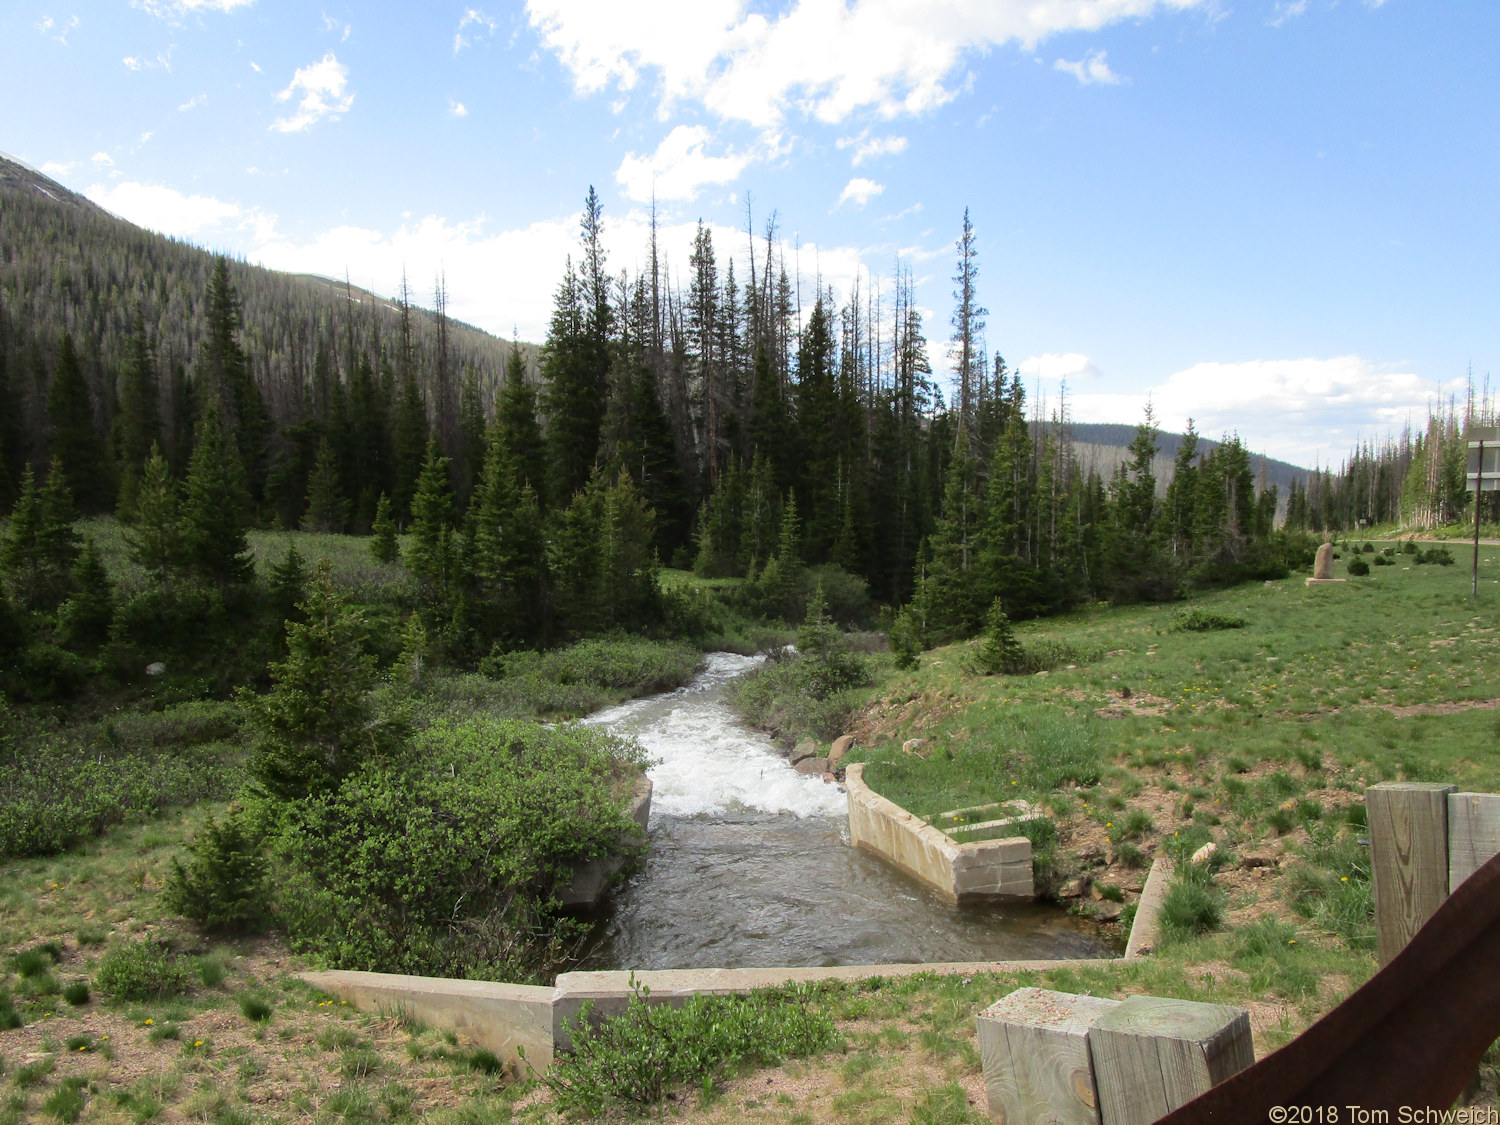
1479,437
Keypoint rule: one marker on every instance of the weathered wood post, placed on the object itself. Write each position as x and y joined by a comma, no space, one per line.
1408,823
1153,1055
1034,1044
1473,834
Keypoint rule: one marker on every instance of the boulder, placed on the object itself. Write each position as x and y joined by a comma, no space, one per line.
813,766
1323,564
914,746
1109,911
841,746
1250,861
1073,888
155,668
1205,853
807,748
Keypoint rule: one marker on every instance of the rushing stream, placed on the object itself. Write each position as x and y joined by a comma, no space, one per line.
750,863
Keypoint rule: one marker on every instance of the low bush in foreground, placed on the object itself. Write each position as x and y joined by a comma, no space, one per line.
652,1050
443,862
1199,620
58,789
142,970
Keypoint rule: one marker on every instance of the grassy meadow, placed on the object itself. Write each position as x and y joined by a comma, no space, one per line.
1161,736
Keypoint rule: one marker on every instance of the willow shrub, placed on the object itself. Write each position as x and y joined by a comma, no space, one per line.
641,1057
444,862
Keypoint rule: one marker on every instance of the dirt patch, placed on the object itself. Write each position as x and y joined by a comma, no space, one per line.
1451,708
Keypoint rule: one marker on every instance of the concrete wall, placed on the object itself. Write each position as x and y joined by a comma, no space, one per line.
513,1020
983,871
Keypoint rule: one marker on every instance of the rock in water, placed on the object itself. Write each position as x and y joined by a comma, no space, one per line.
841,746
807,748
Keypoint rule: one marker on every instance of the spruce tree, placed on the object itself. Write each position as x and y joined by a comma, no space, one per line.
1001,653
84,619
317,724
155,542
38,552
409,441
286,588
327,510
215,511
383,545
76,443
223,370
137,426
516,424
430,547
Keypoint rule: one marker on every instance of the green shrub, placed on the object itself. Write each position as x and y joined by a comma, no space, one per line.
1358,568
1137,825
76,993
254,1009
141,970
1438,556
1129,855
1199,620
1382,560
66,1102
9,1017
652,1050
1191,907
223,887
807,692
442,862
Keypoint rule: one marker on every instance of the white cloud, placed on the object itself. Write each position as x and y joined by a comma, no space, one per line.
255,66
1071,365
859,191
176,9
1300,410
169,211
1287,10
475,23
322,84
192,102
102,159
679,167
1092,69
57,169
163,61
457,109
331,24
60,31
866,147
816,58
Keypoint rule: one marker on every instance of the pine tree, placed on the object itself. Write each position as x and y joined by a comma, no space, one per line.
40,548
286,588
214,514
137,426
76,443
223,373
317,724
327,510
383,546
516,424
409,445
1001,653
430,547
156,542
953,594
84,619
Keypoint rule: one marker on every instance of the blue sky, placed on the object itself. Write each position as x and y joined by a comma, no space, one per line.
1274,216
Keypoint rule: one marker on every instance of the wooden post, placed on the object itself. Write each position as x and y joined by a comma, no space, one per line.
1408,824
1152,1055
1034,1044
1473,834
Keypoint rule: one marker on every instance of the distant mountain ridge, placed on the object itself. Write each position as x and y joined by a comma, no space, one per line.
1101,446
69,265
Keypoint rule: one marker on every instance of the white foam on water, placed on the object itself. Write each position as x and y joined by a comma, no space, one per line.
708,762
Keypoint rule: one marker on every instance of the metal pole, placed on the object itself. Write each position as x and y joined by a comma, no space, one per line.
1478,497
